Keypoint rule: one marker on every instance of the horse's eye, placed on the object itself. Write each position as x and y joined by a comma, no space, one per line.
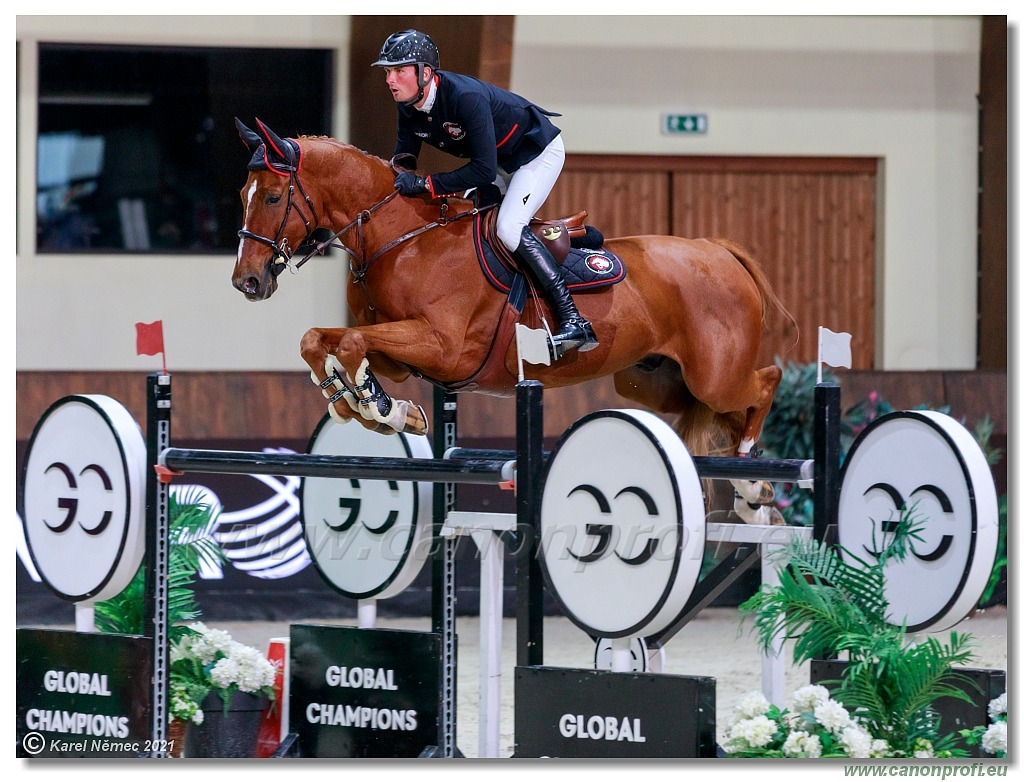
273,199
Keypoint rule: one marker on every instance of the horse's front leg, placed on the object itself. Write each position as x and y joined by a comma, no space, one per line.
339,364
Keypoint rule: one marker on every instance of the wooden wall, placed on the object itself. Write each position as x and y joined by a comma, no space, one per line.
287,406
810,221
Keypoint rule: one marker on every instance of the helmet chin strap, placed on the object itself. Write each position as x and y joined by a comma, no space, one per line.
422,82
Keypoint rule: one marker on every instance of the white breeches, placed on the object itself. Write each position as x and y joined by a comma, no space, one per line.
526,191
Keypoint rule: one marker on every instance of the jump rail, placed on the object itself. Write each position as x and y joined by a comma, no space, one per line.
714,467
464,470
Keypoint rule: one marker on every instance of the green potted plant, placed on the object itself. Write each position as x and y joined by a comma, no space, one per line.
221,685
833,604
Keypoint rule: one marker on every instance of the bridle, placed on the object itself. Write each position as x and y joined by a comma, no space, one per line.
359,264
282,252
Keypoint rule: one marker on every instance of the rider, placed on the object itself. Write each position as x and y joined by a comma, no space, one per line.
509,142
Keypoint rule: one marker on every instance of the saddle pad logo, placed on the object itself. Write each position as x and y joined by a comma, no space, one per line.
454,130
599,264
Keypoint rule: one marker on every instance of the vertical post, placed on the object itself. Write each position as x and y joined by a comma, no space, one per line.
827,416
773,667
529,469
492,581
443,573
157,561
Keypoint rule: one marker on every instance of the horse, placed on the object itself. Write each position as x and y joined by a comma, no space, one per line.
680,333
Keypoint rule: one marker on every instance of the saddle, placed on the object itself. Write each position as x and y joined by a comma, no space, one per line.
557,236
576,247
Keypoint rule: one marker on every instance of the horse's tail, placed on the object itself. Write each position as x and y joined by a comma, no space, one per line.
770,302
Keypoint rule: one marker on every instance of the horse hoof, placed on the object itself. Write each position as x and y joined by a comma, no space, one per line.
417,420
409,418
755,492
756,514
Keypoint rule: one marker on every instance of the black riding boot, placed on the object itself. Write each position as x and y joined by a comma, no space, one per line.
574,331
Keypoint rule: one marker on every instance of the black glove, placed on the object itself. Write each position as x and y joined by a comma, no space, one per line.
403,161
408,184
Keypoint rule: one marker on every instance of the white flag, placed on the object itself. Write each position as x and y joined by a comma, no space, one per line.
834,349
532,345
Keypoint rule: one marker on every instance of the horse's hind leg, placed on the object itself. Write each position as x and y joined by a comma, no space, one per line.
766,382
752,498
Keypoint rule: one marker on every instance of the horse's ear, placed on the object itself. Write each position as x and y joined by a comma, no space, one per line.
249,138
285,152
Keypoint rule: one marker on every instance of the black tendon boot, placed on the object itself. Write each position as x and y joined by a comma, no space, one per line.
574,331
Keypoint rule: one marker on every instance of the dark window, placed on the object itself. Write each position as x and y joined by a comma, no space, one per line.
137,148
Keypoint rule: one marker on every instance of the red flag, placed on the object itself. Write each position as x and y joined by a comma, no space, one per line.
149,339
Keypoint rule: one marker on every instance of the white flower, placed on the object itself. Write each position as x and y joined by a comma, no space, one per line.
831,716
182,705
880,748
994,740
208,659
794,720
757,731
801,744
997,708
856,741
753,704
809,698
749,734
224,673
211,643
253,670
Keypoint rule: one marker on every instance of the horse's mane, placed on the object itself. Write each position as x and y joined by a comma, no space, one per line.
344,145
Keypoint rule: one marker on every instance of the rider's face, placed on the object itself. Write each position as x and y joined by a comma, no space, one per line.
402,83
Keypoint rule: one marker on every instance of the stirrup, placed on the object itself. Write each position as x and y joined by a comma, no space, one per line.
573,334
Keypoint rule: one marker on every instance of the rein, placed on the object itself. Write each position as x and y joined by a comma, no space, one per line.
359,264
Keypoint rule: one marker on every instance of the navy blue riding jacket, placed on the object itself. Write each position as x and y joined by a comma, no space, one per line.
472,119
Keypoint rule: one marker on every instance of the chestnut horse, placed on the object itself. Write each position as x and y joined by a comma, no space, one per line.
681,333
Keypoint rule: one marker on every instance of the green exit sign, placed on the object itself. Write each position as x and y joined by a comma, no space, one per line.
685,124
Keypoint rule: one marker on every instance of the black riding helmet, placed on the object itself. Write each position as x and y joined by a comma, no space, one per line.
410,47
